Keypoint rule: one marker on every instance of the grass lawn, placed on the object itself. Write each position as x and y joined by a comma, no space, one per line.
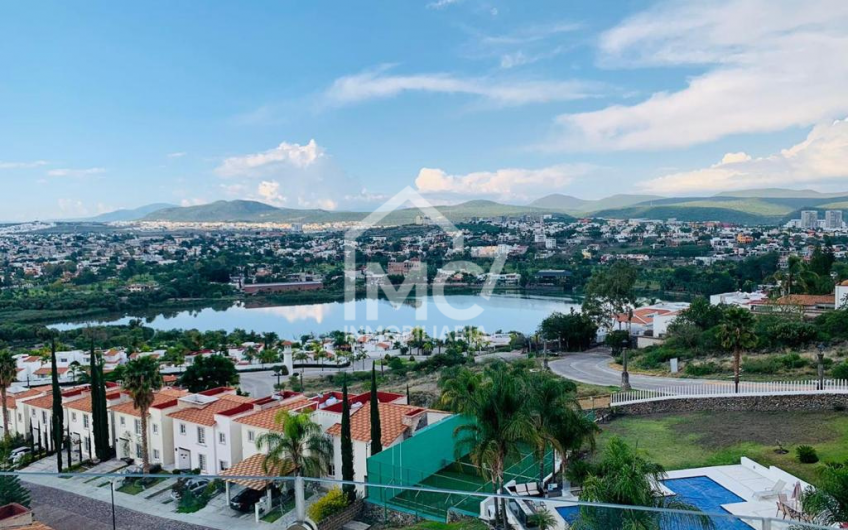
134,488
718,438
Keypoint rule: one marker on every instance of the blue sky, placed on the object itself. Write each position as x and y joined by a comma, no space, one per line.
337,105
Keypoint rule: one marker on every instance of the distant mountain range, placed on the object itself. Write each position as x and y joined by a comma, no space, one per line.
763,206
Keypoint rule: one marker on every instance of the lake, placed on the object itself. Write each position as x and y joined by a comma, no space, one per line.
499,312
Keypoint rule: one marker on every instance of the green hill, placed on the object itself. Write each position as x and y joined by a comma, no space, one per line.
573,205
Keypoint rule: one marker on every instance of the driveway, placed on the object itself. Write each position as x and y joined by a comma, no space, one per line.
594,368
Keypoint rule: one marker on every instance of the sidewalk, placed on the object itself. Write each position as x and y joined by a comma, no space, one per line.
213,516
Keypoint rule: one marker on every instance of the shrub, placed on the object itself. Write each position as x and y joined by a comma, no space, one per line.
761,365
701,369
578,470
792,360
840,371
335,501
806,454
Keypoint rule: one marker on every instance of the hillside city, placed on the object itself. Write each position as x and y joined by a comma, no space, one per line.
424,265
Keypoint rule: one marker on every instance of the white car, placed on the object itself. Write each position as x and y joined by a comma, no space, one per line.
16,455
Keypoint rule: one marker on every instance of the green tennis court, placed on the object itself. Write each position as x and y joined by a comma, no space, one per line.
428,460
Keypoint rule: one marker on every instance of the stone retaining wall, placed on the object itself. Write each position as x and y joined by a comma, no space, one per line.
337,521
741,403
374,514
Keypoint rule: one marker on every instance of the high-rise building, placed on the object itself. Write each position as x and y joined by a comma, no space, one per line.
833,219
809,219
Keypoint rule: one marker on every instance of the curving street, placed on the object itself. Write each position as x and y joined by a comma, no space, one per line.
594,368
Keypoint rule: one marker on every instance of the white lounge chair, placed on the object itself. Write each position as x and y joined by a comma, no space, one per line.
775,490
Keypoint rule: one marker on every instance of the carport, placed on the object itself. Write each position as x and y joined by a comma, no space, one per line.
251,471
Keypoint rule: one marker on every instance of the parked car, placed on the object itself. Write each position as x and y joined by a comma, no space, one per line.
16,455
194,485
129,470
244,499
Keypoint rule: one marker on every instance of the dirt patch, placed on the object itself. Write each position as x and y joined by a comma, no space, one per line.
717,430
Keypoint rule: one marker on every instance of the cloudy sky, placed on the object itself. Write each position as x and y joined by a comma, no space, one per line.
338,105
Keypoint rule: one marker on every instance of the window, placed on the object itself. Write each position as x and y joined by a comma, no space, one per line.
156,454
73,416
222,438
201,436
138,453
182,428
43,417
20,417
84,421
138,426
223,465
88,445
201,462
123,421
155,428
251,436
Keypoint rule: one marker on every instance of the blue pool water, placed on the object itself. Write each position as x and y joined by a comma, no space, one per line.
702,492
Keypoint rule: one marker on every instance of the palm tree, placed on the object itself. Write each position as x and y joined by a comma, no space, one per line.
301,357
8,375
625,478
499,424
736,334
457,385
827,503
299,446
141,380
250,353
418,335
557,418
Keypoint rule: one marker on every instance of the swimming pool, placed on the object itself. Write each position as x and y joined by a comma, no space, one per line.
702,492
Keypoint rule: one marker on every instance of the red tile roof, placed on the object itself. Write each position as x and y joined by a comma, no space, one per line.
206,415
391,422
266,418
165,395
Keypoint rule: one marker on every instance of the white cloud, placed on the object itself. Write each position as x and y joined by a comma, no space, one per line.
295,155
194,201
22,165
72,207
441,4
503,184
768,66
67,172
822,157
377,83
178,154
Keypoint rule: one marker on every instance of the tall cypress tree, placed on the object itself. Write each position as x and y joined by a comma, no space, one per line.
376,429
58,422
94,388
105,438
347,447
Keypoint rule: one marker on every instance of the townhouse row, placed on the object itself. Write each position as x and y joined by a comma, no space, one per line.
214,431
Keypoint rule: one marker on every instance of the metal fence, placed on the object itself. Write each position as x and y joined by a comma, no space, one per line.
108,503
728,389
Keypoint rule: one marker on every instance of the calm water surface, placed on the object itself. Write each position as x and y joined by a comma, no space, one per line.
498,313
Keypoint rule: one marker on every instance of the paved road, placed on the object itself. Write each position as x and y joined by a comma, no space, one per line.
594,368
63,510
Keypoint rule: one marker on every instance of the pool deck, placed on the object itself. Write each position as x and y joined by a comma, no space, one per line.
744,479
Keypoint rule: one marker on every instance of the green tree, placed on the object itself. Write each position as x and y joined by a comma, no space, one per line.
827,503
376,427
625,478
298,446
11,489
558,420
457,385
210,372
610,292
141,380
573,331
736,335
499,424
347,447
8,375
57,426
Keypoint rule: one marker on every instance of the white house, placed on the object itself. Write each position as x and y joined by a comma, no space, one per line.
126,428
204,433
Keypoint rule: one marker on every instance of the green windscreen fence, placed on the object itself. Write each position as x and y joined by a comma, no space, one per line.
428,460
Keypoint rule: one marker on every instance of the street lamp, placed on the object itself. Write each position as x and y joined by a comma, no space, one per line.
821,366
625,376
